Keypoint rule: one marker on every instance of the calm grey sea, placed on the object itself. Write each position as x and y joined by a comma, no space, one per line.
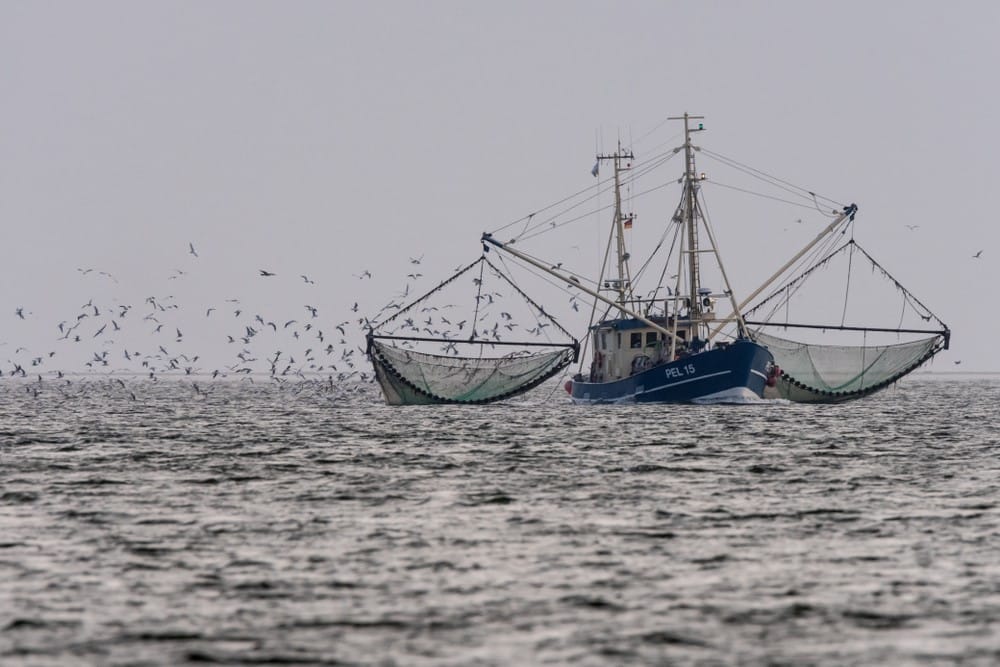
303,524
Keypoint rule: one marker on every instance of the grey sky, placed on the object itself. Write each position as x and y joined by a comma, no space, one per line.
325,138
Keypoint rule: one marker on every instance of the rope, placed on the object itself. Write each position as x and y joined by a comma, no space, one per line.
530,301
479,297
425,296
786,287
767,178
547,224
900,287
847,288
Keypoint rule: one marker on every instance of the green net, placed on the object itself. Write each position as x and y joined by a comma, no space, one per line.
411,377
843,370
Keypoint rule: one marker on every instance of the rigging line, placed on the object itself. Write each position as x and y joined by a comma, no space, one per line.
788,302
580,217
659,244
765,175
666,264
701,204
600,184
575,274
813,256
899,285
811,197
793,286
553,205
479,298
527,223
641,169
799,279
864,350
553,225
817,206
766,196
593,306
595,301
530,301
555,387
636,172
432,291
672,140
847,288
782,295
906,298
655,128
543,225
560,285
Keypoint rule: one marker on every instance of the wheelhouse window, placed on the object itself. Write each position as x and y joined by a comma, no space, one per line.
635,340
651,338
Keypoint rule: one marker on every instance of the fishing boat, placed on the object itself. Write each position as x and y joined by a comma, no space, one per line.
678,338
660,349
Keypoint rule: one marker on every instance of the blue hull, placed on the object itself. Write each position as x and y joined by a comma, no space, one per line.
734,373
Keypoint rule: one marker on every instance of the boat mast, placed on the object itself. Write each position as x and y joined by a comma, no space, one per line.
573,281
690,212
623,284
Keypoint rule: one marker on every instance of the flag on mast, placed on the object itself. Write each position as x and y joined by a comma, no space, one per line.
596,170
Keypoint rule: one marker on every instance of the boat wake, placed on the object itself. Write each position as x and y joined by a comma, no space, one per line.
740,400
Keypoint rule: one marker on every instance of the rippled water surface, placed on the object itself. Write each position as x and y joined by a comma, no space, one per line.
260,524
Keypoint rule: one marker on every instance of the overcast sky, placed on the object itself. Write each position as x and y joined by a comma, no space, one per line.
330,138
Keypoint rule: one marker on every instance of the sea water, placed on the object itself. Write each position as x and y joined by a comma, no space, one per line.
179,522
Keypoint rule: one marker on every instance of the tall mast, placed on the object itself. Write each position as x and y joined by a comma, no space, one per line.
573,281
623,284
691,211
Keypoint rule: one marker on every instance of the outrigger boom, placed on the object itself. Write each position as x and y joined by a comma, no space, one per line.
572,281
848,212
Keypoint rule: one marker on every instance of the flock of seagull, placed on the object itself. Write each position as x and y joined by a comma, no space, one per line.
308,347
104,332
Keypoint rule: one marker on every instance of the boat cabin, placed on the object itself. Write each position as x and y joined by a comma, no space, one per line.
623,347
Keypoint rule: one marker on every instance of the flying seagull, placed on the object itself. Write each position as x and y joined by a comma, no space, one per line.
266,274
191,249
976,256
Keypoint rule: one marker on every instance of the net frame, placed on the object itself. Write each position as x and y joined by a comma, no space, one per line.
489,378
433,377
813,372
817,372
